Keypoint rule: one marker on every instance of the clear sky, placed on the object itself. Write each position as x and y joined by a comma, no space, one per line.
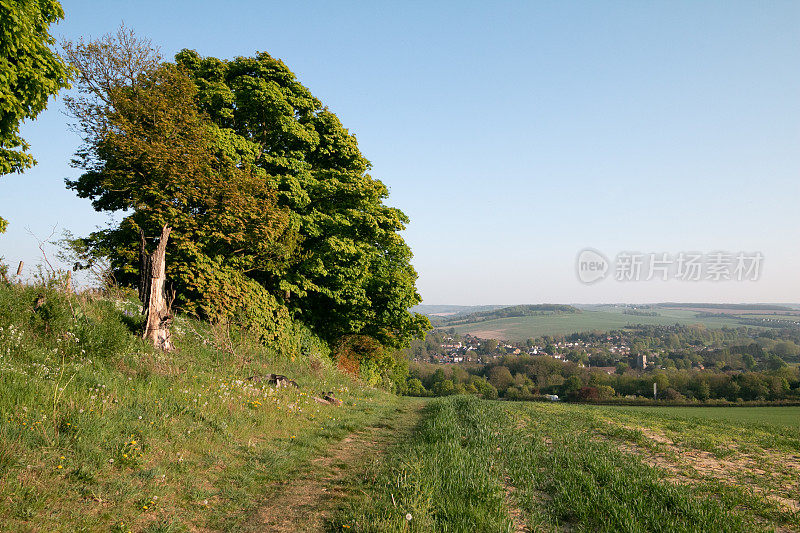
515,134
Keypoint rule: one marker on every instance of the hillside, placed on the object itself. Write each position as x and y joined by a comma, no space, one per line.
510,312
525,327
733,307
100,432
451,310
521,322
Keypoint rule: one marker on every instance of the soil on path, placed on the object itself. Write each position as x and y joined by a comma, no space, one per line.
305,503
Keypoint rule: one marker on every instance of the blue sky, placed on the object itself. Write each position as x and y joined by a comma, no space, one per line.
515,134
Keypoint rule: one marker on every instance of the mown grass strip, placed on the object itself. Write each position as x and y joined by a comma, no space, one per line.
445,477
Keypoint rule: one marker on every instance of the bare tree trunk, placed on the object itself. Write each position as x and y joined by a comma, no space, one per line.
153,293
68,282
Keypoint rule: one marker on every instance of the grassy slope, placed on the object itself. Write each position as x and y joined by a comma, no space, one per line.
522,328
99,432
500,466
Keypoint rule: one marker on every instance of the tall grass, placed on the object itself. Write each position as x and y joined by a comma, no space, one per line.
98,431
446,477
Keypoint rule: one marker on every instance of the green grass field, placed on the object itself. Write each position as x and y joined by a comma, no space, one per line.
794,317
100,432
476,465
522,328
780,417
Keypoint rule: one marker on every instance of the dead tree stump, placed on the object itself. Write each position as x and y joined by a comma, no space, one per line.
68,282
156,300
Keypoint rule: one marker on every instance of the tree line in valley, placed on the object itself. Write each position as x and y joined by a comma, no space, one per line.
688,364
535,377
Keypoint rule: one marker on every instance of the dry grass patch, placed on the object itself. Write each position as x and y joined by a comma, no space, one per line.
770,474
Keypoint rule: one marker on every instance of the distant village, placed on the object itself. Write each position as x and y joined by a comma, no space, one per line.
608,351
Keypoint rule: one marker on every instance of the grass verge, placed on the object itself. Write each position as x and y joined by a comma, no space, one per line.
99,432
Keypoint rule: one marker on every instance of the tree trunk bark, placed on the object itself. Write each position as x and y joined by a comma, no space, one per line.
68,282
153,293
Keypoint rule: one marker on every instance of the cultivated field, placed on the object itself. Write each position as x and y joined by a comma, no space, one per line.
475,465
782,418
521,328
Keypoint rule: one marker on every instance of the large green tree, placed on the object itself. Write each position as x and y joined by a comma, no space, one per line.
354,273
30,72
198,145
151,152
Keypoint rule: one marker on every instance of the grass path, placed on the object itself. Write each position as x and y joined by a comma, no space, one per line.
307,502
100,432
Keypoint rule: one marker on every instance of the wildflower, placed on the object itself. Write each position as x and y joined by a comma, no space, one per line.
60,467
408,516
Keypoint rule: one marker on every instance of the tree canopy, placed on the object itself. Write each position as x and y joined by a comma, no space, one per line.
273,211
30,72
150,151
353,273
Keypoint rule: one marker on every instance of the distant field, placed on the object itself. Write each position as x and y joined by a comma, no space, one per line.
779,417
782,316
731,311
521,328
